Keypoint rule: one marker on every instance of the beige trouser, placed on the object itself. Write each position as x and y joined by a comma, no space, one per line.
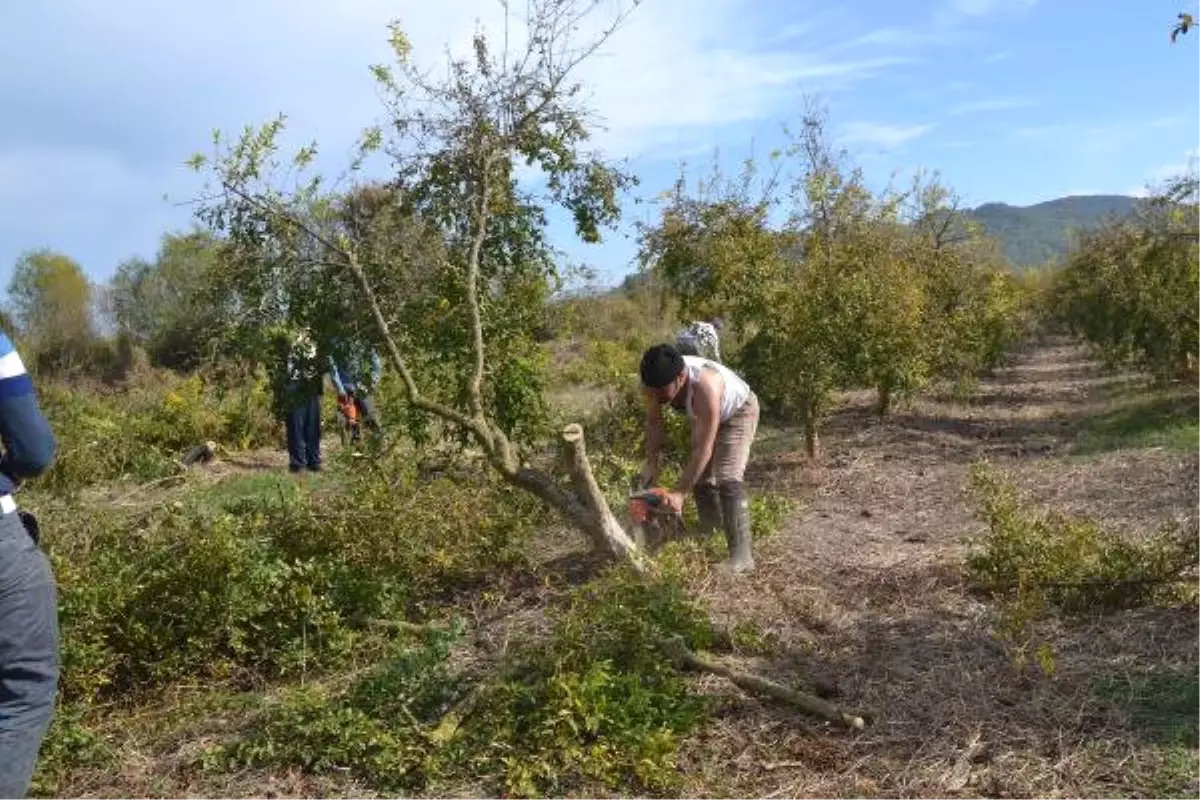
732,448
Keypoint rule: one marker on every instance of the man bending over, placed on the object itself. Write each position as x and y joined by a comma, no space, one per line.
722,412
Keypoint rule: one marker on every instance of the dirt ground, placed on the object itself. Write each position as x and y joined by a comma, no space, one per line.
863,593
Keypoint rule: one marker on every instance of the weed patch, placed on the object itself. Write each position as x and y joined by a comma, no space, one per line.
1038,562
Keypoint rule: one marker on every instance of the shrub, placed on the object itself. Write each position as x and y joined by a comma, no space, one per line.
376,728
1043,561
264,588
139,430
595,706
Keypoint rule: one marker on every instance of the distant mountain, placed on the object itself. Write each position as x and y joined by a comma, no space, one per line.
1031,235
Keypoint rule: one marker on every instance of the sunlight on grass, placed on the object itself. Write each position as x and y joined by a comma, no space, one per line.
1160,420
1162,705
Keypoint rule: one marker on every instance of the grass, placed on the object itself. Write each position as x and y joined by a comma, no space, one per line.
1162,419
1161,706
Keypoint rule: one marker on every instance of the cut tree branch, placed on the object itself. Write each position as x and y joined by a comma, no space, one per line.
755,684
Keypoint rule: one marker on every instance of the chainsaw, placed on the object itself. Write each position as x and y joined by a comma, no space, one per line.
648,513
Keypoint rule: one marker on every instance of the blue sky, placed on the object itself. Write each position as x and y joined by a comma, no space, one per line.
1011,100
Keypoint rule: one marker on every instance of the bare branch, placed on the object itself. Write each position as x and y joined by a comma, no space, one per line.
410,385
474,389
285,216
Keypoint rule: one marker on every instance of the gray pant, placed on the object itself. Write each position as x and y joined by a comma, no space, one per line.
29,660
731,451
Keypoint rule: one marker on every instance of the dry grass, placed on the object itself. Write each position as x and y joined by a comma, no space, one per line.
864,596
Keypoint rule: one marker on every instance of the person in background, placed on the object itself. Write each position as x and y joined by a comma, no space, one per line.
700,339
29,635
298,399
355,375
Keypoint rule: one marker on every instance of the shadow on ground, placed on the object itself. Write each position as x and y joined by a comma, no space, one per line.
1024,411
953,716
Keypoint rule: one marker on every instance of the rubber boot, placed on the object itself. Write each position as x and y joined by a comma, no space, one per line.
735,510
708,508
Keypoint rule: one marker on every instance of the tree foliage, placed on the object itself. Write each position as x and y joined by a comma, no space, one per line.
52,304
445,262
168,306
831,284
1130,288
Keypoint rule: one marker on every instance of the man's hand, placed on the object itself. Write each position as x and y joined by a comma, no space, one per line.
674,501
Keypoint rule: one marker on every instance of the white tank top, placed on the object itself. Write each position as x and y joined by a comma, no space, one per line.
736,393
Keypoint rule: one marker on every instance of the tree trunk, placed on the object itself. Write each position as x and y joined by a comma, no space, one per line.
602,526
885,398
586,507
809,417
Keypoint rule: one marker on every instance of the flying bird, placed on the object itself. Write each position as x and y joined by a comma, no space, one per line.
1185,23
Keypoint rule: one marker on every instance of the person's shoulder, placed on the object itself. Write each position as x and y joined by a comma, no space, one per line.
710,375
14,379
10,360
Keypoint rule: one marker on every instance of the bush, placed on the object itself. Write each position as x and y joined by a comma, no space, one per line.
267,588
595,707
1038,562
139,430
376,728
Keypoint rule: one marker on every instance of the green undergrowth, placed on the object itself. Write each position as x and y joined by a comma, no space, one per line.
251,587
269,580
1042,562
594,707
1160,705
1161,419
139,430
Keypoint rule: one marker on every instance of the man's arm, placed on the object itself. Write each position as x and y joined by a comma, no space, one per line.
706,418
654,438
334,379
29,443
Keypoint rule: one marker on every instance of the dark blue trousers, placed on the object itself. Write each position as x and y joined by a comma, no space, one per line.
304,432
29,661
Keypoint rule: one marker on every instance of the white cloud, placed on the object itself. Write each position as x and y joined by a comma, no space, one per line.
132,92
882,135
997,57
979,8
994,104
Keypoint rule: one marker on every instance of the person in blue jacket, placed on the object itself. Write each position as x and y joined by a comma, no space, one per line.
29,656
355,371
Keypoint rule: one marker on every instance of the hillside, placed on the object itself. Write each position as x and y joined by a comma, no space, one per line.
1031,235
